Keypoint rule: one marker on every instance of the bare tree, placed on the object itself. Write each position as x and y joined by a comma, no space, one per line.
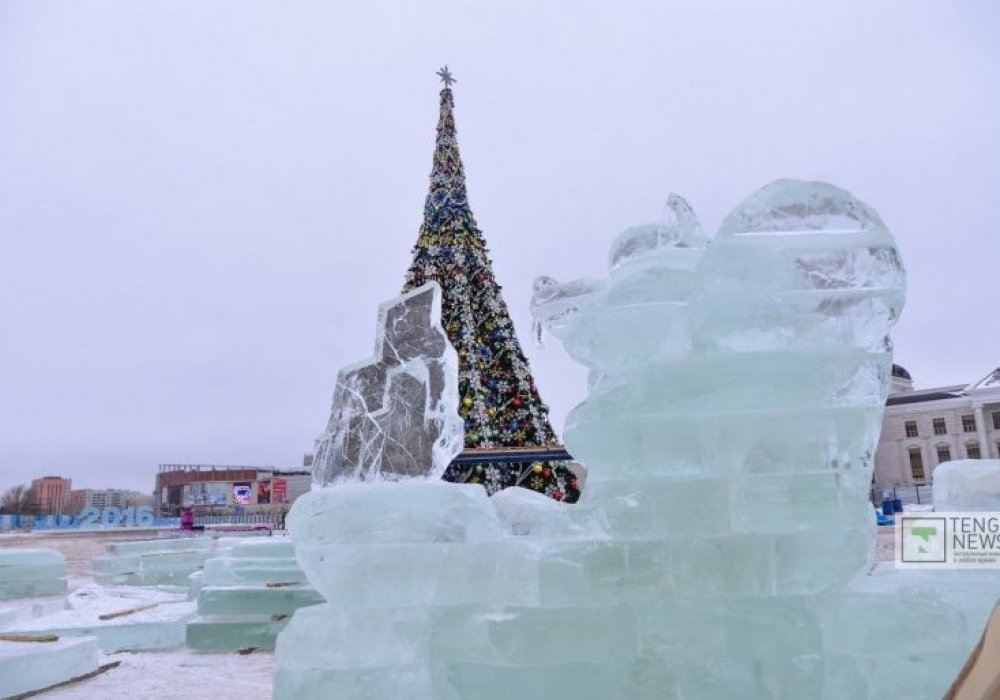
18,499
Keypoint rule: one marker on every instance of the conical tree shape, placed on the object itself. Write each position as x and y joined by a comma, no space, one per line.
500,403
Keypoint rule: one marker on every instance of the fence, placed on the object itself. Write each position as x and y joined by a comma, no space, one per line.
921,494
276,519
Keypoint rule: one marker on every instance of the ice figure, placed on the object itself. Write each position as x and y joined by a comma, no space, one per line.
640,314
721,546
395,415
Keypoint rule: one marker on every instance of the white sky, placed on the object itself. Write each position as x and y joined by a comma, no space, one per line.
202,204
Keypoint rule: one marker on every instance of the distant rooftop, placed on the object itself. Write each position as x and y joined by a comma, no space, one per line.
210,467
936,394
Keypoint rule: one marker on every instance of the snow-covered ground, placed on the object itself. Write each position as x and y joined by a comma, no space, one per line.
179,674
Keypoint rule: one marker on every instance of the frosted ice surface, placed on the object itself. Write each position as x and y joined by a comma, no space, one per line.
25,667
967,485
396,414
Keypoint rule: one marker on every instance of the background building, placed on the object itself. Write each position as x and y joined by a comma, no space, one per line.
921,429
224,489
51,494
103,498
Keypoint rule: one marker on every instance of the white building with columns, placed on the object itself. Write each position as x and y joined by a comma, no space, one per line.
923,428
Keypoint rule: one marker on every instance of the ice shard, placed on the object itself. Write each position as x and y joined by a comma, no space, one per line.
396,414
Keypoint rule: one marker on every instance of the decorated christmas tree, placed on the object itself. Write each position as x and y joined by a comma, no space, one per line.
500,403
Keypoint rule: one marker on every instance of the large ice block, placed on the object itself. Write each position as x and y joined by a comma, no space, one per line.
396,414
30,573
967,485
31,666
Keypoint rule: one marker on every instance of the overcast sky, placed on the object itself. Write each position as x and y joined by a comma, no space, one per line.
202,204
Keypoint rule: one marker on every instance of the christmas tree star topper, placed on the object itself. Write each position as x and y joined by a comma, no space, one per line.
445,76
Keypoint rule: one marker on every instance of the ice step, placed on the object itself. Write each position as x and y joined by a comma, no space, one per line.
225,571
250,600
204,544
32,588
216,633
135,619
28,558
29,666
283,548
27,573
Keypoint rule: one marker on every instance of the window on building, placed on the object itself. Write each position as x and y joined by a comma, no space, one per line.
972,450
916,464
939,427
969,423
911,429
996,420
943,453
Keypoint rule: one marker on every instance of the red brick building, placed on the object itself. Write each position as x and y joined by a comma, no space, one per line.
52,494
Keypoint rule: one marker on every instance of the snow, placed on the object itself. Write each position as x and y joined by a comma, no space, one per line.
181,674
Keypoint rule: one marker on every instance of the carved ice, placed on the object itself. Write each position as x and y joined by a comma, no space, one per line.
721,544
396,414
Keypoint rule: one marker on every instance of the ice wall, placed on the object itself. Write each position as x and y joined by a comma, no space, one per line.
721,546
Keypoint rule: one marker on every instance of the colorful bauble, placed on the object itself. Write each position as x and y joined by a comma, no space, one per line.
537,468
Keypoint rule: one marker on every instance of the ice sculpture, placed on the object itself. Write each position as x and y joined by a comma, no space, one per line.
395,415
721,544
967,485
